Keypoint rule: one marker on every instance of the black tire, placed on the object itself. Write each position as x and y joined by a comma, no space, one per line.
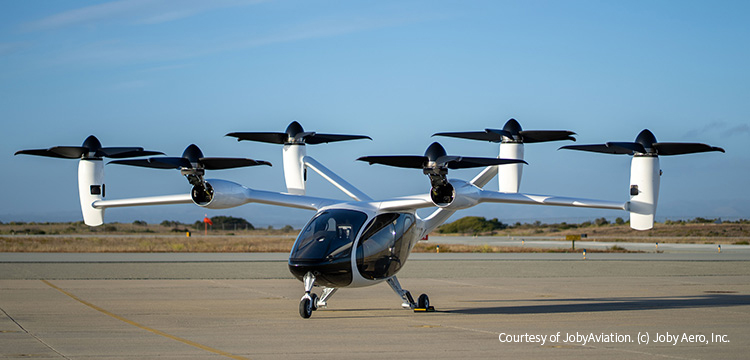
423,302
305,308
314,302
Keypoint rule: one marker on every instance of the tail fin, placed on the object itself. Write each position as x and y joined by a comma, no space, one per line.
91,189
644,191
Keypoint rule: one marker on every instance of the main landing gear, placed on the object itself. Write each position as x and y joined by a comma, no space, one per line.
421,305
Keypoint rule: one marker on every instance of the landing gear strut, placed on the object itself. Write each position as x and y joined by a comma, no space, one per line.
310,301
422,304
306,304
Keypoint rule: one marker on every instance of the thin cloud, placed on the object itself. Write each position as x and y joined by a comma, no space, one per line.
739,130
705,129
718,128
10,48
118,52
330,28
135,11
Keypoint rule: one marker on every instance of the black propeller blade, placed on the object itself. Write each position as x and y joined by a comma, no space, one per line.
192,158
294,134
435,157
90,149
512,132
435,164
645,143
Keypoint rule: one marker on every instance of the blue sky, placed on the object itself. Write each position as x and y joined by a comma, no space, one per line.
165,74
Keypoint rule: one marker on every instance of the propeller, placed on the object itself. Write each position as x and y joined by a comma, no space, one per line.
645,144
436,162
512,133
90,149
294,134
435,157
192,164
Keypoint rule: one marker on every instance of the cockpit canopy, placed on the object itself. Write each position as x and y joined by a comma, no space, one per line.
324,247
385,245
328,236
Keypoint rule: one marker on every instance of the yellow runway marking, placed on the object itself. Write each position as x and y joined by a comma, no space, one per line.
157,332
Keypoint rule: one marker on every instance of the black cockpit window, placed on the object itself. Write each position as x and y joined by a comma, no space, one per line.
328,236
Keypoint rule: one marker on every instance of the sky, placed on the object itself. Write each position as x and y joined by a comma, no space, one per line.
165,74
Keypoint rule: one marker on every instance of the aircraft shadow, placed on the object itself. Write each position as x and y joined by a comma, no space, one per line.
612,304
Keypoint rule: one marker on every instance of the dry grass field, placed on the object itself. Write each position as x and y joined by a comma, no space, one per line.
76,237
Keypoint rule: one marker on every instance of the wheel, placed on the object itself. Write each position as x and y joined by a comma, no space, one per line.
314,302
423,302
305,308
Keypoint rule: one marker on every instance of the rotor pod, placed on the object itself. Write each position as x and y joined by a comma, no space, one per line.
511,138
435,163
294,139
90,149
294,134
91,187
512,133
645,171
645,144
192,165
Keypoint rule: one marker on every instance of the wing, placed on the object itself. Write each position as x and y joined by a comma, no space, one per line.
406,203
227,194
152,200
531,199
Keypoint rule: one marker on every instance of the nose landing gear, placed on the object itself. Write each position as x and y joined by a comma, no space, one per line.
310,301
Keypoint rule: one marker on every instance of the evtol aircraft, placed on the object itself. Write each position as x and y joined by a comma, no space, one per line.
362,241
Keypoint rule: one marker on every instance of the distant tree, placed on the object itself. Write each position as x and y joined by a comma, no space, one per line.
171,223
619,221
287,228
140,223
227,222
601,221
700,220
472,225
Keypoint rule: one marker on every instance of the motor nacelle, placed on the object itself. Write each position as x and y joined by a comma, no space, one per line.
455,194
442,195
219,194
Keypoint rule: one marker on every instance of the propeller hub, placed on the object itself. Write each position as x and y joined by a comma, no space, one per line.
193,153
92,143
647,139
292,131
434,152
514,129
512,126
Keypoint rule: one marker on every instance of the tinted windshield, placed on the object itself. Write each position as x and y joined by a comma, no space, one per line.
329,235
385,245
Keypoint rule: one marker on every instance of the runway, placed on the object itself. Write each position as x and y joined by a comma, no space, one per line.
546,242
244,306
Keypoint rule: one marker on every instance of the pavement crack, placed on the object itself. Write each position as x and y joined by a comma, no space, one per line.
32,334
